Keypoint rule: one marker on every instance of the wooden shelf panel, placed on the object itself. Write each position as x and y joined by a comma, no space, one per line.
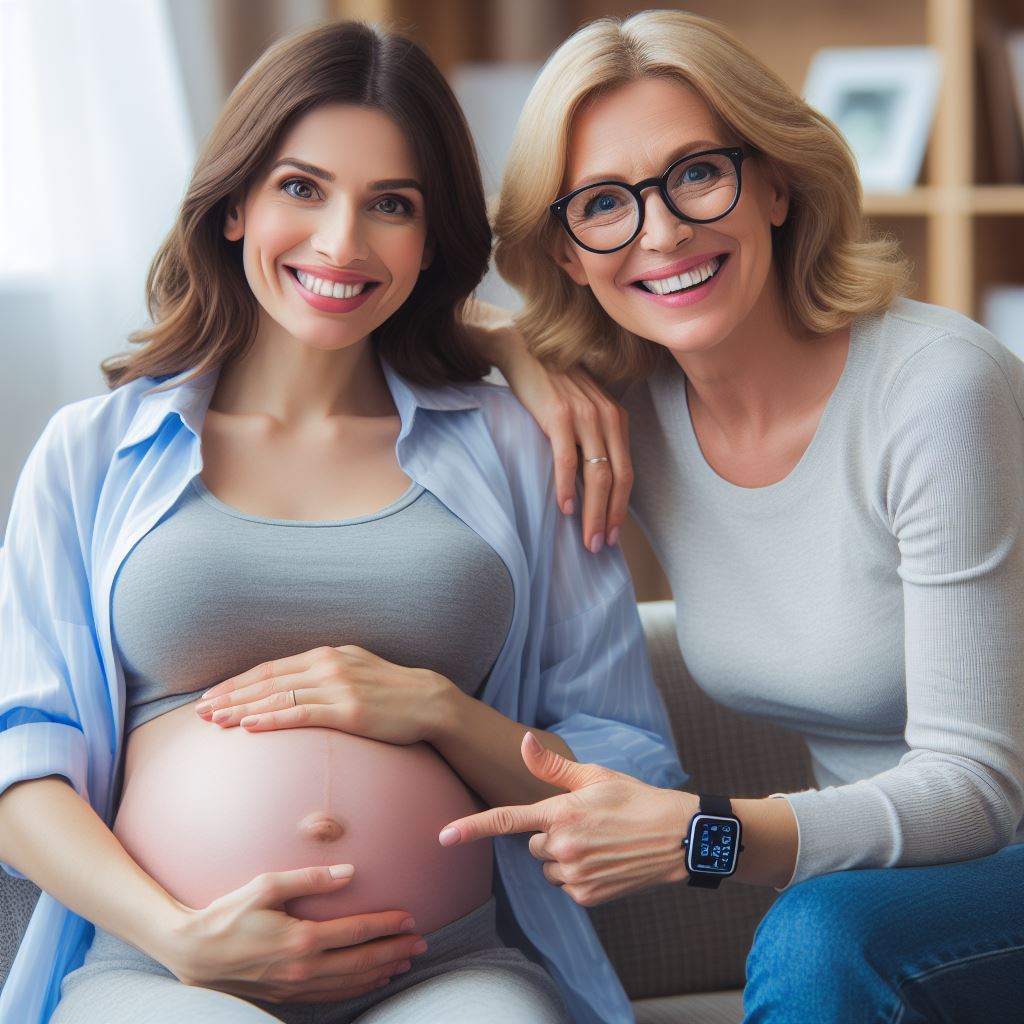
935,200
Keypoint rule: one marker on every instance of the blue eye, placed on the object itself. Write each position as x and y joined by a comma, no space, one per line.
299,188
698,172
602,203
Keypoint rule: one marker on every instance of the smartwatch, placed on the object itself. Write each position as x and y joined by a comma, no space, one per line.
712,842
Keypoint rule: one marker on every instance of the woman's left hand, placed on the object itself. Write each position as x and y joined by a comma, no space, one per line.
344,688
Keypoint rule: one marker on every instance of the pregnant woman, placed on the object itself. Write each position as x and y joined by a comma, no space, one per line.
833,479
285,601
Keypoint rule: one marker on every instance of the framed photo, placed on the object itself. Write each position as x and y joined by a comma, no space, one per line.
883,100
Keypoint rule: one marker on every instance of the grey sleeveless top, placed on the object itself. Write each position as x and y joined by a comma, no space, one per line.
211,592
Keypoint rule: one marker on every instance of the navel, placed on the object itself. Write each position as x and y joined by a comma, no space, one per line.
321,828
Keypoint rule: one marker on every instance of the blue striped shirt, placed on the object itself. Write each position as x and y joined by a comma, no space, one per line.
104,473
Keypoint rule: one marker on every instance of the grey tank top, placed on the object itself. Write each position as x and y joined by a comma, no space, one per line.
211,592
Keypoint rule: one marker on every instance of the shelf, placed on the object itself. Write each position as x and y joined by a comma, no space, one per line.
998,200
936,200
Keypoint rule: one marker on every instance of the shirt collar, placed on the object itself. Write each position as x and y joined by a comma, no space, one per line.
189,400
409,396
174,396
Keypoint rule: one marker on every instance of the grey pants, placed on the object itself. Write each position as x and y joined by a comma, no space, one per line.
466,976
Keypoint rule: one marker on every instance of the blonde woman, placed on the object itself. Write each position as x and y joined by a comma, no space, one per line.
833,479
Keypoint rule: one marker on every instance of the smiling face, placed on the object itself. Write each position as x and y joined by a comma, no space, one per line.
334,233
685,286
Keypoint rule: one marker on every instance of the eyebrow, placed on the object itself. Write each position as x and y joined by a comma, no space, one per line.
318,172
697,146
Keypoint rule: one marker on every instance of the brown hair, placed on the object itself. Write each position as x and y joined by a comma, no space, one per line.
830,270
202,308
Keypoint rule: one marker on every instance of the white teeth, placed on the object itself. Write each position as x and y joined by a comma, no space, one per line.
690,279
331,289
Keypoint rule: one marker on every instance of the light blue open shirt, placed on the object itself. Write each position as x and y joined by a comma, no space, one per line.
106,470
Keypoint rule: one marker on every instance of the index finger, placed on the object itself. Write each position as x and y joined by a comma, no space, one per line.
498,821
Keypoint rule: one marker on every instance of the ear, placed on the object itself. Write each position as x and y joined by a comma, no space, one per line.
779,209
567,256
234,220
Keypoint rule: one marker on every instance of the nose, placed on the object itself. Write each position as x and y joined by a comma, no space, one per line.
339,236
663,231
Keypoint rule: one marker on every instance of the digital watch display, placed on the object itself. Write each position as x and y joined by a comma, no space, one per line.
712,842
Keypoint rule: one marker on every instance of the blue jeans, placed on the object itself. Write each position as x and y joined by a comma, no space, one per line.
930,945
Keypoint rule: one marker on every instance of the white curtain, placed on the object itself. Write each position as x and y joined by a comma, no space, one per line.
96,150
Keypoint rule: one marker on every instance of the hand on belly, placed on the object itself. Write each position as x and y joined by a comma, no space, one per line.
205,810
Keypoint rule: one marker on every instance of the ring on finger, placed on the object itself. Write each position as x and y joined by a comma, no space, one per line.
595,461
294,701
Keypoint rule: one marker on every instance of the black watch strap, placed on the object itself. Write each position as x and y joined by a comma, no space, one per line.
720,806
703,881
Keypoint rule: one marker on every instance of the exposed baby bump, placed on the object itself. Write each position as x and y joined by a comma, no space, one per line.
204,810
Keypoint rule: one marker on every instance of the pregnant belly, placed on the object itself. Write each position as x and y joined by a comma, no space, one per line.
204,810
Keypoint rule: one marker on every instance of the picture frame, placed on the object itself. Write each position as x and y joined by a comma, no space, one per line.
882,98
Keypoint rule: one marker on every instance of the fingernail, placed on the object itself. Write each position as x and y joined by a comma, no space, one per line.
420,947
223,715
202,709
531,741
404,966
383,982
568,506
248,721
342,870
203,696
596,543
408,925
449,836
613,536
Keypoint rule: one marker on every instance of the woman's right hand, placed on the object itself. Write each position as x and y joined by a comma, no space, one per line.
575,413
246,944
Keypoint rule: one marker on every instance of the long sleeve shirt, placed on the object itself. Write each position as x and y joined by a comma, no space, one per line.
104,473
873,599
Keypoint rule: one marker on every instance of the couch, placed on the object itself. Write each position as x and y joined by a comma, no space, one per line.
679,951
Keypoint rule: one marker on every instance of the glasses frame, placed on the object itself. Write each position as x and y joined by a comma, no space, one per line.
560,207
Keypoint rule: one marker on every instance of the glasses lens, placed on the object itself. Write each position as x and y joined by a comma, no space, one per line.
602,217
703,187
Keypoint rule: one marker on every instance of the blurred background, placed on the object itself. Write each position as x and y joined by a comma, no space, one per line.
104,102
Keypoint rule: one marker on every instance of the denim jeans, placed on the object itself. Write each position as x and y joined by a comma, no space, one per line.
929,945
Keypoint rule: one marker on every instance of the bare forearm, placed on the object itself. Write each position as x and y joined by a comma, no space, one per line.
483,746
770,840
50,834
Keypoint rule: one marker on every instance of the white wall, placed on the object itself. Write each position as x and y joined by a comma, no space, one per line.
27,390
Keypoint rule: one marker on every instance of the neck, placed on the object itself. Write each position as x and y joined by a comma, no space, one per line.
296,384
764,371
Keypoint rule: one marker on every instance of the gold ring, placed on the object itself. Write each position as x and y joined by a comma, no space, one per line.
294,701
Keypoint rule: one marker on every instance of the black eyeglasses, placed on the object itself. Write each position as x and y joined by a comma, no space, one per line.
607,215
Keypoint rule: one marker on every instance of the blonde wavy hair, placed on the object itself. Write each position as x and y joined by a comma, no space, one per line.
830,270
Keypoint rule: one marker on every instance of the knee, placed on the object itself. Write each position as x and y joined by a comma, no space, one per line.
812,951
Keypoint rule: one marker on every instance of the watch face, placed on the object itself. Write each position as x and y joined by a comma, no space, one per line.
713,843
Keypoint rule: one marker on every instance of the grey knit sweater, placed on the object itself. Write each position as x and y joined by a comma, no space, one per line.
873,600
